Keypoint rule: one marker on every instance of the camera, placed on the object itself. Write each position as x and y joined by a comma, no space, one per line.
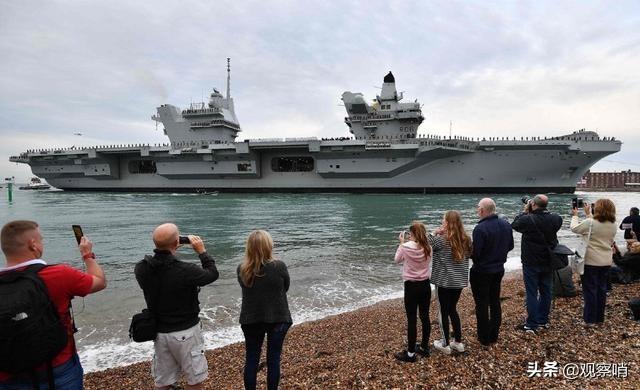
577,203
525,199
184,240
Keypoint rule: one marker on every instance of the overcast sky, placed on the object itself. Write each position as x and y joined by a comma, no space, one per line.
539,68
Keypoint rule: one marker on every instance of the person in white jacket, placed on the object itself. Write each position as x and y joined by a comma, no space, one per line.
598,256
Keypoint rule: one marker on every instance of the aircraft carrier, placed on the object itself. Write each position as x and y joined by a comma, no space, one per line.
383,152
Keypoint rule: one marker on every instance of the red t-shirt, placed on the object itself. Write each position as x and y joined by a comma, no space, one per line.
63,283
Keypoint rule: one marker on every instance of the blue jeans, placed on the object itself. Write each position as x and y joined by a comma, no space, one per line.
538,282
67,376
594,290
253,339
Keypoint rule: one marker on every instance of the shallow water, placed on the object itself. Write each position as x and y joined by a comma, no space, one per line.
338,247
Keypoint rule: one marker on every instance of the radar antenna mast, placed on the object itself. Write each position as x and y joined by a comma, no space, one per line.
228,77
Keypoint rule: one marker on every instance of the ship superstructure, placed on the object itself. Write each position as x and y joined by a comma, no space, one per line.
385,153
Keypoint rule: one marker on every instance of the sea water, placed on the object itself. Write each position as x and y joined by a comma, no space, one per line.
338,247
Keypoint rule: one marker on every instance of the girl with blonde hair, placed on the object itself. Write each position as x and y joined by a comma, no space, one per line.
451,251
414,254
265,310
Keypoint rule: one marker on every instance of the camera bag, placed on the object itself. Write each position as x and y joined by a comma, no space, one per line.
143,326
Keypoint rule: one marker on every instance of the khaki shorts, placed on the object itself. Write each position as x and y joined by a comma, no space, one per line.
181,351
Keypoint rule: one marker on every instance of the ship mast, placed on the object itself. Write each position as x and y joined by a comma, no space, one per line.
228,77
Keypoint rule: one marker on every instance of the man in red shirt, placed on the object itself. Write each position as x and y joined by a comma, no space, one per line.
22,245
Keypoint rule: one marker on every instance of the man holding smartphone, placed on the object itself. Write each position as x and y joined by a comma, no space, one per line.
170,288
44,336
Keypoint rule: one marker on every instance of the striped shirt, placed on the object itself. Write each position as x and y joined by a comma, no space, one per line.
446,272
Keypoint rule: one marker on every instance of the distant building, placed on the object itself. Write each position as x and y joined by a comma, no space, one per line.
609,181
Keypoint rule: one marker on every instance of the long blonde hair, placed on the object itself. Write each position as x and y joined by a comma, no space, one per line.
458,239
258,252
419,233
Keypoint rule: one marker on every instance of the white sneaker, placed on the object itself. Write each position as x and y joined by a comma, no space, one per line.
456,346
439,345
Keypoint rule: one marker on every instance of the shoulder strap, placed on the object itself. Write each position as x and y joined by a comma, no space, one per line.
544,239
538,229
31,271
158,275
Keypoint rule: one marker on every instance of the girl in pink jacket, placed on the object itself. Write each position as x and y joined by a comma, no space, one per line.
415,256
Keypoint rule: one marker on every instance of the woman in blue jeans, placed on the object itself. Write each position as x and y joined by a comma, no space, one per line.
265,310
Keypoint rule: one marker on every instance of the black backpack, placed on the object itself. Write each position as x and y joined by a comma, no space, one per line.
31,332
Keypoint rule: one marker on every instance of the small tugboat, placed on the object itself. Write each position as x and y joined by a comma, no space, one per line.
36,184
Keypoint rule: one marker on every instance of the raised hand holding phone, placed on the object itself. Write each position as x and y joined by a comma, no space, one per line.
77,231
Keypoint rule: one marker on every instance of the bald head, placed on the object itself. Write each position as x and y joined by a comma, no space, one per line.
166,236
541,201
487,205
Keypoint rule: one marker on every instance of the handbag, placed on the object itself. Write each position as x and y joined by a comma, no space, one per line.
584,243
558,255
577,263
143,326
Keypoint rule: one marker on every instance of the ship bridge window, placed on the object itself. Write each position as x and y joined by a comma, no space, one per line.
292,164
244,167
142,166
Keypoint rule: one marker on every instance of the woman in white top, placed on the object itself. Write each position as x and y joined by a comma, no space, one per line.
598,257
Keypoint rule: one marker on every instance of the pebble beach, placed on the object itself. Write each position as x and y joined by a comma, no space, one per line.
354,350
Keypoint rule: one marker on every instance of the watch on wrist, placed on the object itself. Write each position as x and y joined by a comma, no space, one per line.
88,256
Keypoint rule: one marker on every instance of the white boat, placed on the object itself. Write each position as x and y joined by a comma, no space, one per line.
36,184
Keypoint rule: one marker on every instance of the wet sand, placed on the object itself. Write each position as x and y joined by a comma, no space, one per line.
355,350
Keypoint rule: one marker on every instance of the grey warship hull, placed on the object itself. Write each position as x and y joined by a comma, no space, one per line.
384,153
422,165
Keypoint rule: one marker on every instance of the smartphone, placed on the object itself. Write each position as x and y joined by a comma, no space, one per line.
577,203
77,231
184,240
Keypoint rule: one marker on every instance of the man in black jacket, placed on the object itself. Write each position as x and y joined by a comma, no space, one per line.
171,289
539,228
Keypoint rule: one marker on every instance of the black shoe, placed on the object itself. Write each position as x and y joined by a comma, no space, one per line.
545,326
422,351
404,357
526,329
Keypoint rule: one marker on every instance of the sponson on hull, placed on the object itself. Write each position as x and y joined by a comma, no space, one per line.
384,152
